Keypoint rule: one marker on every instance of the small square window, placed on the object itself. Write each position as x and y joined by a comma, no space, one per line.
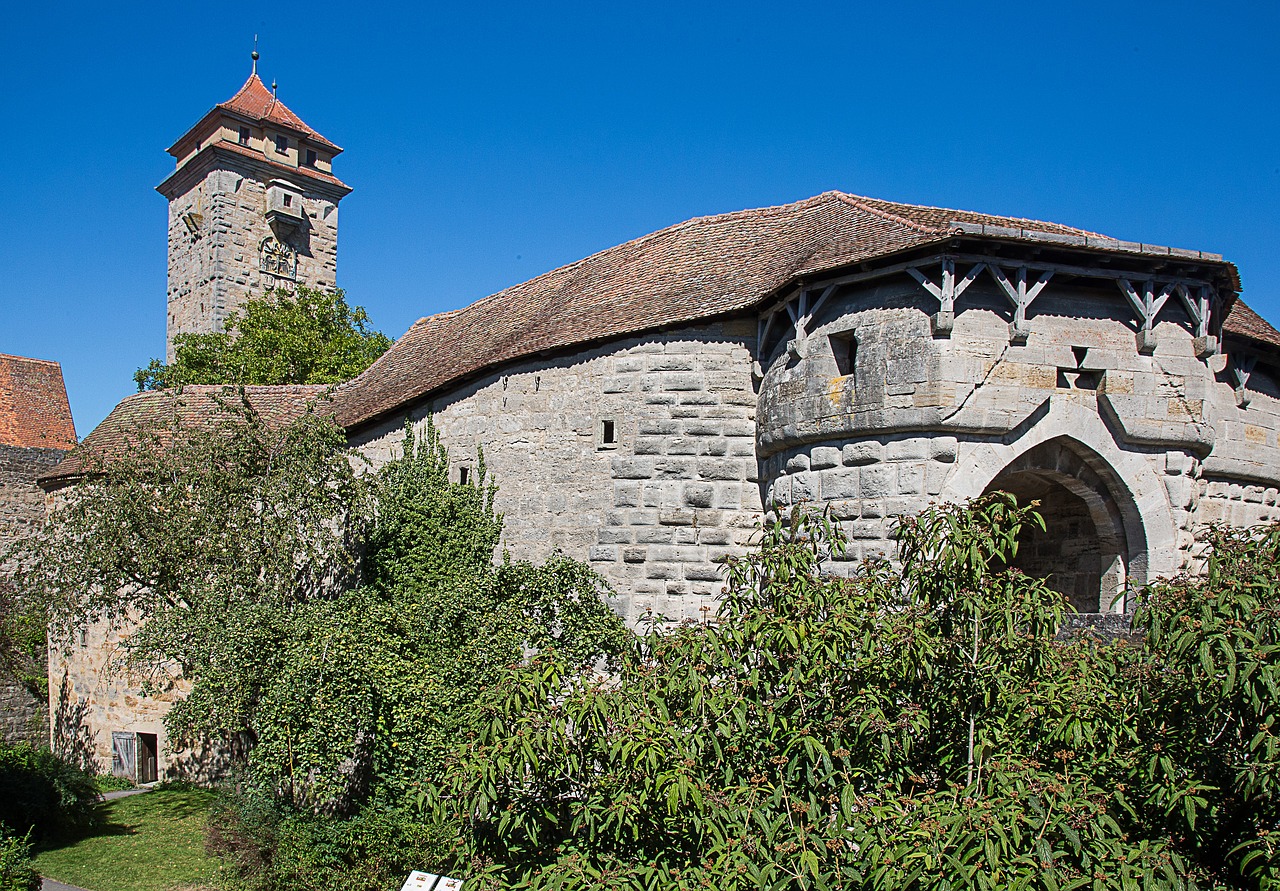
282,145
244,135
312,157
288,200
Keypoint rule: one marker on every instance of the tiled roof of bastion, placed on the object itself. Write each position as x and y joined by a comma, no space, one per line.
34,413
694,270
697,269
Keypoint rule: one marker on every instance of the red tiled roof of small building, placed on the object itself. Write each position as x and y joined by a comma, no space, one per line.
192,407
34,412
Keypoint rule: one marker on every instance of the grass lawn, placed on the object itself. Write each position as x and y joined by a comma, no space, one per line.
148,842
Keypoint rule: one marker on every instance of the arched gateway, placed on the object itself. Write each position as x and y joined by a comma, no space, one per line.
1093,538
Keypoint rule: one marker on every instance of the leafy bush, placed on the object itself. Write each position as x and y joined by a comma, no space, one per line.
376,687
267,846
921,727
106,782
44,795
16,872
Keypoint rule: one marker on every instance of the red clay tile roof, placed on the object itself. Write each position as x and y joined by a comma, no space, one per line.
693,270
191,407
1244,322
256,102
253,102
34,413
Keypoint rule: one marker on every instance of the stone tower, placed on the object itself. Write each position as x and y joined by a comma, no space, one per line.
253,206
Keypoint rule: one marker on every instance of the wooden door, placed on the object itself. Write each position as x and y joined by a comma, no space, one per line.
124,755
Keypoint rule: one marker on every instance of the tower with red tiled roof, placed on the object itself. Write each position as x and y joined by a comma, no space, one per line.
253,206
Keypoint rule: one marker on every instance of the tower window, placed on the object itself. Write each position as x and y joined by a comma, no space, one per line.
282,145
244,135
288,200
464,475
607,434
844,348
311,157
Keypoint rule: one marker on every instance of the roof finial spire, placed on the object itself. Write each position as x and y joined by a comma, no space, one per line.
254,55
273,89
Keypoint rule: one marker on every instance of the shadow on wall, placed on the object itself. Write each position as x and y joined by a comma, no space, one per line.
72,739
207,760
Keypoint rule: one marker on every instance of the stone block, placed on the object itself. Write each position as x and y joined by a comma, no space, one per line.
943,448
603,554
614,535
649,445
714,536
703,572
674,516
935,478
1176,463
839,484
657,427
823,457
728,496
856,454
675,468
633,468
720,469
806,487
662,570
699,494
682,446
878,481
654,535
634,555
703,428
914,449
797,463
676,381
626,495
911,479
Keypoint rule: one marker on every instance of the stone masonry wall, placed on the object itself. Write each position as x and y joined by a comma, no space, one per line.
23,716
214,270
652,511
920,418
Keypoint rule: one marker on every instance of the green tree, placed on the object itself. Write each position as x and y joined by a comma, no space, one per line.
287,337
202,533
926,726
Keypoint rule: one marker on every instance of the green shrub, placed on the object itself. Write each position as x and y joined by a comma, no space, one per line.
44,795
16,872
913,727
106,782
267,846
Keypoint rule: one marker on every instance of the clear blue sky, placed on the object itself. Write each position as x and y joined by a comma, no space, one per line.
489,142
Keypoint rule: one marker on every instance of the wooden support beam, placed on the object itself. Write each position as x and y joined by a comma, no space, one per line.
1241,368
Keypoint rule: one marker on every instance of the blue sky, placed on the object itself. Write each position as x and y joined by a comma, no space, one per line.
489,142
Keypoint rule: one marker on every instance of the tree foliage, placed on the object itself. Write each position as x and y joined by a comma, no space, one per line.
201,538
305,336
921,727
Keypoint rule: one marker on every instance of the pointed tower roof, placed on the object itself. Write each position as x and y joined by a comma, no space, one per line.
253,103
257,103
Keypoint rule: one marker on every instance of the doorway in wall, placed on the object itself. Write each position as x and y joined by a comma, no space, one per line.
135,756
1085,551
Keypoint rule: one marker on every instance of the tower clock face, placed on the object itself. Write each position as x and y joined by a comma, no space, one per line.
277,258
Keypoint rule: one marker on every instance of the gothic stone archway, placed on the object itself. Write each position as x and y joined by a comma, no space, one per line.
1085,551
